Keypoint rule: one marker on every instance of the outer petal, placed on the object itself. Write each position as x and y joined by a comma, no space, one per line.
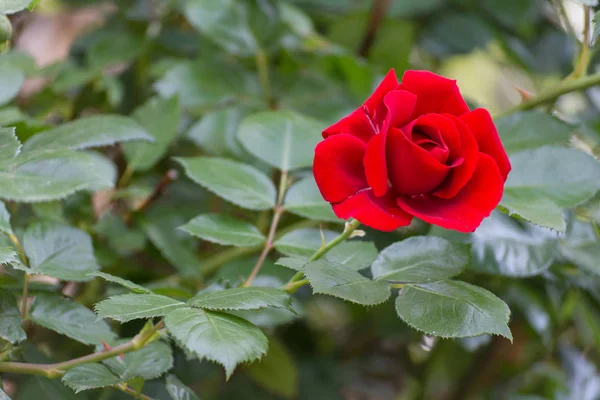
435,94
338,167
381,213
412,169
376,165
485,132
473,203
400,105
461,174
375,105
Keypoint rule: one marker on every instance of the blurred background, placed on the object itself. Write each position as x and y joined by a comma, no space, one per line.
82,57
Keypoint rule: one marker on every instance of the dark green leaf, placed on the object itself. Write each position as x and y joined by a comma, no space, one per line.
453,309
303,242
420,259
10,328
216,336
130,306
123,282
581,246
238,183
178,391
305,200
89,376
149,362
246,298
224,229
69,318
216,132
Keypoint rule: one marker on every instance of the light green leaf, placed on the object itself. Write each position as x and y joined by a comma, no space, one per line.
149,362
353,254
303,242
528,130
296,263
224,229
283,139
10,116
11,80
89,376
453,309
160,118
533,206
8,255
245,298
177,390
53,175
10,328
339,281
69,318
5,220
60,251
216,336
127,307
420,259
216,132
95,131
13,6
123,282
10,146
238,183
305,200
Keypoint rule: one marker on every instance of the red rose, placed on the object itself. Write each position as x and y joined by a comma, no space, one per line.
414,149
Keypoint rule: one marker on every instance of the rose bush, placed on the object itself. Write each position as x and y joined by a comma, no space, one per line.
413,149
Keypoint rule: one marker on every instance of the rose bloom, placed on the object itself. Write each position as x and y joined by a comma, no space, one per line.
413,149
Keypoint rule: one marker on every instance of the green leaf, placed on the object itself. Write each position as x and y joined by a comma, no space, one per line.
238,183
127,307
149,362
69,318
305,200
339,281
303,242
11,80
123,282
89,376
596,32
13,6
353,254
283,139
10,146
177,390
60,251
581,246
296,263
453,309
95,131
224,229
420,259
216,132
528,130
244,298
160,117
276,372
53,175
10,116
5,220
10,328
503,246
216,336
565,177
3,395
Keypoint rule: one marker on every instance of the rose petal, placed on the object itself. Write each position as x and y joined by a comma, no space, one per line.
400,105
381,213
442,130
375,105
485,132
338,167
471,205
375,164
435,94
412,170
460,173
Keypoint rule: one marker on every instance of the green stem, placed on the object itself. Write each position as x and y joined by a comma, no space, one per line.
262,63
25,294
296,280
583,61
145,337
565,87
126,389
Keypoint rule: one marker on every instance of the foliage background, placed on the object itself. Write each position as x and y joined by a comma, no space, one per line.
186,73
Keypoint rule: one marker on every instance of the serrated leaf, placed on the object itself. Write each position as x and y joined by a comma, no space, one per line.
534,207
89,376
123,282
420,259
238,183
528,130
8,255
177,390
69,318
296,263
11,80
303,242
5,220
13,6
283,139
149,362
250,298
10,328
216,336
160,118
504,246
339,281
127,307
10,146
53,175
453,309
224,229
305,200
60,251
95,131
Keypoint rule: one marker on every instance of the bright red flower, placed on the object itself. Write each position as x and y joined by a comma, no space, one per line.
413,149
